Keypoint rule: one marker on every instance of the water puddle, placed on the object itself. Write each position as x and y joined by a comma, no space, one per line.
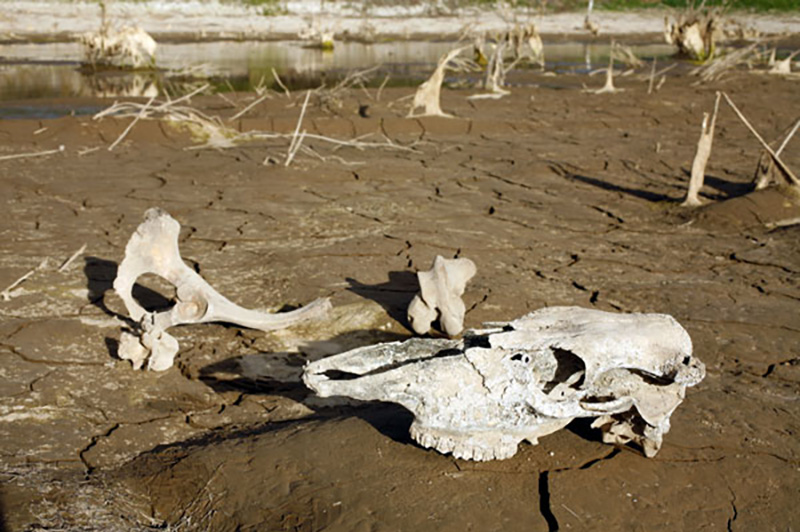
51,71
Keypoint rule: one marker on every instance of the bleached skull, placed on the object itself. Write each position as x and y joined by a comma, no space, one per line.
478,397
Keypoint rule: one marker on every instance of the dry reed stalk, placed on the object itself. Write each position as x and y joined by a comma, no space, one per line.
765,169
71,259
6,295
280,83
244,111
784,169
701,158
128,129
34,154
295,143
428,94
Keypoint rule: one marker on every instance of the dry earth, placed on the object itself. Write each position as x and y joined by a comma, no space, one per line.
561,197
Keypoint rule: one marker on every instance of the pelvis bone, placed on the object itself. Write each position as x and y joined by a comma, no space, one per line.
153,248
478,397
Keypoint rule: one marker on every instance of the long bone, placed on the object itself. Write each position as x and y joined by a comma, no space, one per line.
478,397
153,248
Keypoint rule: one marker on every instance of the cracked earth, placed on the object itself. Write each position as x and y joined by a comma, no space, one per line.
560,198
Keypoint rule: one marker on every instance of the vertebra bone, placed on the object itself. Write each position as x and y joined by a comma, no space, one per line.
153,248
478,397
441,289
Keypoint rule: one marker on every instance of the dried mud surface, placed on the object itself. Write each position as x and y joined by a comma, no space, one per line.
561,197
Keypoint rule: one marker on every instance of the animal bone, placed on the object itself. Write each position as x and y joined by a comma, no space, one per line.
701,158
153,248
441,289
427,95
478,397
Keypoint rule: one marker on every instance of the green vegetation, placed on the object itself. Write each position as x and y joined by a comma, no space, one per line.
268,8
748,5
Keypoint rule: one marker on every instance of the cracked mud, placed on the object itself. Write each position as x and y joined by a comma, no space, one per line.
559,197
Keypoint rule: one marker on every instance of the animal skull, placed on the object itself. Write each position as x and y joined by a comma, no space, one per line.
153,248
478,397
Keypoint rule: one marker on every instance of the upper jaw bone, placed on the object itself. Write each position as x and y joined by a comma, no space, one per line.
479,396
153,248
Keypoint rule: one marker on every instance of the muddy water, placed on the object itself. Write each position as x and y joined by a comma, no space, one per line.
35,71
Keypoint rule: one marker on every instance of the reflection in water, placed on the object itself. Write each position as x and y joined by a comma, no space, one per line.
29,71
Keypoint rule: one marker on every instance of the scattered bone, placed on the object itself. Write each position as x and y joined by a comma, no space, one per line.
153,248
441,289
71,259
428,94
701,158
7,295
478,397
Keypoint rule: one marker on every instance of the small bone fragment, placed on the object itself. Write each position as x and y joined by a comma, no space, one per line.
701,158
478,397
153,248
441,289
428,94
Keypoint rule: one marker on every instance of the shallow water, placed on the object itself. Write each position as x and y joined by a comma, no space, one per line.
37,71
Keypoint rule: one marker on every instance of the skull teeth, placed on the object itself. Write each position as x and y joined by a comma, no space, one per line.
467,446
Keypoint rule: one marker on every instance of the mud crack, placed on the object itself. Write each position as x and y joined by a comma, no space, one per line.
95,439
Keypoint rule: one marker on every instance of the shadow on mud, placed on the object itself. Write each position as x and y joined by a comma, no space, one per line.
394,295
280,374
100,275
725,190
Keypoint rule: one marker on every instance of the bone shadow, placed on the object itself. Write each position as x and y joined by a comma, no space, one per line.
3,526
642,194
100,275
282,378
726,189
394,295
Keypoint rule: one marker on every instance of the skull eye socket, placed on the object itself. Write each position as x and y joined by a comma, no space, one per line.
521,357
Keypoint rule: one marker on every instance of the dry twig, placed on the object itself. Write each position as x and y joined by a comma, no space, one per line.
785,170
